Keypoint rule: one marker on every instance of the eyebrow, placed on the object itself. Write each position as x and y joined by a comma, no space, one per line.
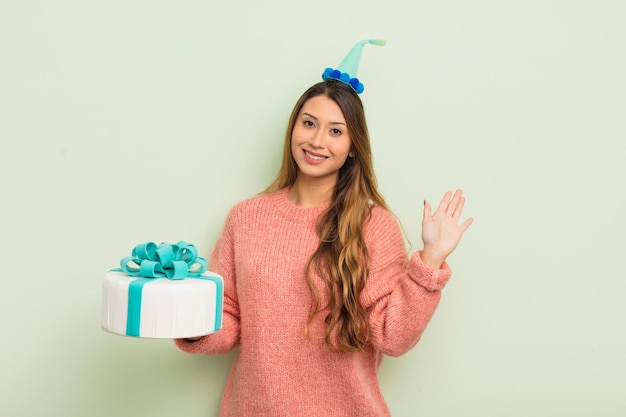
315,118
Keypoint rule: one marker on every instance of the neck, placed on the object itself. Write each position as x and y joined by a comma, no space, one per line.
310,194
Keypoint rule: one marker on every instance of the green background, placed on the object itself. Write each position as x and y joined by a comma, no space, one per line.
128,121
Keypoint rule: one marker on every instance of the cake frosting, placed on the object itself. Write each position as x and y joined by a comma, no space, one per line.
162,291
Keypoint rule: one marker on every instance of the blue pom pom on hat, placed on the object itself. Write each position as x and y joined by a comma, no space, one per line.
347,69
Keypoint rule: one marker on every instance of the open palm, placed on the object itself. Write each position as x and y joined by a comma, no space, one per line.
441,231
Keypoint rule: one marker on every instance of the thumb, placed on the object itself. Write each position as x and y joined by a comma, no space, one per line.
427,210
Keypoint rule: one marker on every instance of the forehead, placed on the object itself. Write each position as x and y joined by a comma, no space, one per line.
323,107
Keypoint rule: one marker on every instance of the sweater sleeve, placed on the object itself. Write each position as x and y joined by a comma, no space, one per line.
222,262
401,292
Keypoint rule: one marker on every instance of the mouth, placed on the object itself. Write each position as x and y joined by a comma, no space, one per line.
314,156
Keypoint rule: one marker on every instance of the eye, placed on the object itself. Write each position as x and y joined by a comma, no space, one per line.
308,123
335,131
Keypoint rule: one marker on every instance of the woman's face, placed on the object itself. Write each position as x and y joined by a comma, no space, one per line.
320,141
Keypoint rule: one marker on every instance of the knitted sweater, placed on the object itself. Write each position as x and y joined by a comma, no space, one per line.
278,371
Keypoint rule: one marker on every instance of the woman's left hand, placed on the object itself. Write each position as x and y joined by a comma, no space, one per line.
441,231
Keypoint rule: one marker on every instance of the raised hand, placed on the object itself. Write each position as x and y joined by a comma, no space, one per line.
441,231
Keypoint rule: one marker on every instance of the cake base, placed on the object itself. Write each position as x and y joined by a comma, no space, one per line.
162,308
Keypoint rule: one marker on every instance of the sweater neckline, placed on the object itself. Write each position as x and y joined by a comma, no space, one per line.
297,213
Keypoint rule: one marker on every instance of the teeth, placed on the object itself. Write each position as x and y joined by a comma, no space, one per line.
317,158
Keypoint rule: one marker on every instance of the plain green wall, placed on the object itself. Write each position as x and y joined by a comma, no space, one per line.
127,121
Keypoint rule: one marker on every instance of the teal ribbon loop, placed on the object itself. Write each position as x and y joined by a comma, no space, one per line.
171,261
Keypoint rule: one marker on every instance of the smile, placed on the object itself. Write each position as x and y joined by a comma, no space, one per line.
314,157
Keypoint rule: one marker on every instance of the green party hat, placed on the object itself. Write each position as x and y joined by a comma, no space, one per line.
347,69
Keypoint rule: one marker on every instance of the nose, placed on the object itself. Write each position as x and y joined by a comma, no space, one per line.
317,139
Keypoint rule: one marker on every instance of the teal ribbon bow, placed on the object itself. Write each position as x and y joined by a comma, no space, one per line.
172,261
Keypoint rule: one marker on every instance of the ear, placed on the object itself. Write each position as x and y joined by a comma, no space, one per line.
351,153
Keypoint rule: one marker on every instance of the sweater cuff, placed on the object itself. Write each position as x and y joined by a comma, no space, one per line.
432,280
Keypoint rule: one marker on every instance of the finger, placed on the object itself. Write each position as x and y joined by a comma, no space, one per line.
458,210
443,204
454,202
427,210
467,223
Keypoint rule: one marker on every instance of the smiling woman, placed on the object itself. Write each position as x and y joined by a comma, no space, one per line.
317,282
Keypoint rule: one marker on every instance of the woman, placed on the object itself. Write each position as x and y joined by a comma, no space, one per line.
318,284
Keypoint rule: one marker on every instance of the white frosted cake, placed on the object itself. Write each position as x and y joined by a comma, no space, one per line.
166,305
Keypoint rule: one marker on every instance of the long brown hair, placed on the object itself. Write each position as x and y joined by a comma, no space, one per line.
342,259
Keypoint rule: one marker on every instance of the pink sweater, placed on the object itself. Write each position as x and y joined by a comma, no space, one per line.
262,254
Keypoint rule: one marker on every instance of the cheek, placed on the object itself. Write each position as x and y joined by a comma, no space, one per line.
297,133
294,147
344,148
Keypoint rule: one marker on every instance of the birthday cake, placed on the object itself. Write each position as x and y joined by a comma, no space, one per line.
162,291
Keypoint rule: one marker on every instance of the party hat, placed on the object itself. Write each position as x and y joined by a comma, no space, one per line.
346,71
